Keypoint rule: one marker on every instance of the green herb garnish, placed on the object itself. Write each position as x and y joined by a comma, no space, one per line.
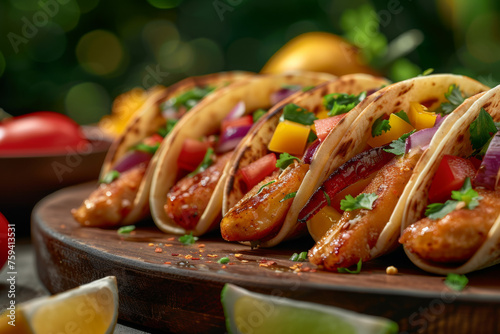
285,160
188,99
456,282
357,271
205,163
426,72
294,257
265,185
188,239
307,88
362,201
258,114
297,114
454,97
299,257
110,177
403,115
328,200
151,149
224,260
338,103
169,126
288,196
126,229
398,146
481,129
312,137
379,126
466,195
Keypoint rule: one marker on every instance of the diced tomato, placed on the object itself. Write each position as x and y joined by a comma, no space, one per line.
324,126
450,175
258,170
476,162
192,154
242,121
154,139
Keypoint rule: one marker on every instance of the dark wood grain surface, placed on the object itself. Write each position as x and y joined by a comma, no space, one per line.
168,286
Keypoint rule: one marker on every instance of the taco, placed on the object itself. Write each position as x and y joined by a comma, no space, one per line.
122,197
186,192
361,200
451,220
262,192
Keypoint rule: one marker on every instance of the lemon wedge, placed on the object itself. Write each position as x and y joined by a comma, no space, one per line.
89,309
248,312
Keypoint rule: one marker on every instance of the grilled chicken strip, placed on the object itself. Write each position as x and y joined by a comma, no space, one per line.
456,236
261,211
357,231
110,203
188,198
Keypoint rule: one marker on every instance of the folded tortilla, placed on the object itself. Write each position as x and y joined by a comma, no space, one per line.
456,143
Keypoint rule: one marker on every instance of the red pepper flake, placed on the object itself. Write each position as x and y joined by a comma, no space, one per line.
268,262
212,255
313,270
63,226
188,257
195,258
231,263
244,261
168,262
202,250
238,255
175,254
151,244
171,239
306,269
224,267
263,265
201,246
158,250
168,245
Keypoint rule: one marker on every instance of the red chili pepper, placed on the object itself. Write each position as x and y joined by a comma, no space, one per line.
358,168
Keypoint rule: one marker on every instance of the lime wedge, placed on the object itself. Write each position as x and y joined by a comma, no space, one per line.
248,312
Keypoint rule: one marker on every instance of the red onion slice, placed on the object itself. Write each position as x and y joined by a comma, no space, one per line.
420,139
282,94
231,137
439,119
237,111
487,173
308,156
131,159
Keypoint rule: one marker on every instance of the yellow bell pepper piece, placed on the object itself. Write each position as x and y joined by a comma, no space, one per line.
321,222
322,114
290,137
419,117
398,128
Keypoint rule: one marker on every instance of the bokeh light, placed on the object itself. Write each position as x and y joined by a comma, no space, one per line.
165,4
176,56
100,52
87,102
208,57
483,40
49,45
157,33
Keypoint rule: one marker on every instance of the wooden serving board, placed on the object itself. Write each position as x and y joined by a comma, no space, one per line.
162,290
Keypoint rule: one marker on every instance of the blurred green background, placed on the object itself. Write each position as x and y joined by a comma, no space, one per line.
76,56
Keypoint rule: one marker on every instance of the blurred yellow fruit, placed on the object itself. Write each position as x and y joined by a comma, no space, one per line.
124,108
89,309
318,52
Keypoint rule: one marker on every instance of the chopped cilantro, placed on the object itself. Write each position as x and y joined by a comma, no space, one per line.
456,282
151,149
312,137
328,200
299,257
258,114
265,185
126,229
338,103
454,97
285,160
169,126
403,115
188,239
294,113
188,99
398,146
288,196
380,125
303,256
110,177
223,260
294,257
307,88
362,201
205,163
466,195
426,72
357,271
481,129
